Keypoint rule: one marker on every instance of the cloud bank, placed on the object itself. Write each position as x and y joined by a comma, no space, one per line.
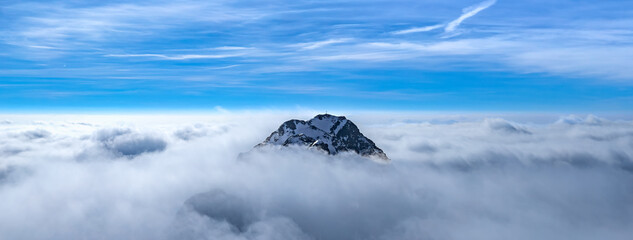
183,177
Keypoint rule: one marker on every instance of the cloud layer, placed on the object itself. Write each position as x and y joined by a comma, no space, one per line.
194,177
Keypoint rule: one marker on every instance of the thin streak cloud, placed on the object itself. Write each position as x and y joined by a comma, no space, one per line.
320,44
451,26
177,57
419,29
468,12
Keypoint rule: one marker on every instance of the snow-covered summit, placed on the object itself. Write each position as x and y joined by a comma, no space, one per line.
330,133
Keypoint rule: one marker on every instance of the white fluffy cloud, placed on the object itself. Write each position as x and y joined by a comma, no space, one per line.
183,177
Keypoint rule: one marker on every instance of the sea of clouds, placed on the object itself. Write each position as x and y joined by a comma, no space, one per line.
197,177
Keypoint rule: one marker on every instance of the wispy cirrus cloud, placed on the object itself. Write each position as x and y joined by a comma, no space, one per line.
224,67
320,44
175,57
419,29
305,42
232,48
452,25
55,25
385,51
468,12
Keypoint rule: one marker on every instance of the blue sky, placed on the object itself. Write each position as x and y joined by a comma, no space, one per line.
533,55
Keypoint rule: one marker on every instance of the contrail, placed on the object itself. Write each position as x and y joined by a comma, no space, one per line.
419,29
468,12
451,26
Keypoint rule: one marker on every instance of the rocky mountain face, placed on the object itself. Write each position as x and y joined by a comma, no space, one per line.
329,133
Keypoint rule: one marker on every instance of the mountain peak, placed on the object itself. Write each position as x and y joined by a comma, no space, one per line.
327,132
